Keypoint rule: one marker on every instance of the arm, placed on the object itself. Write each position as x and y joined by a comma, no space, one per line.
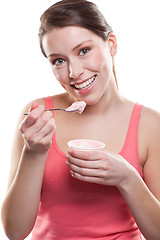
20,207
145,202
142,197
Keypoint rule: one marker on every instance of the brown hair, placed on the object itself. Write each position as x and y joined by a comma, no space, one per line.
81,13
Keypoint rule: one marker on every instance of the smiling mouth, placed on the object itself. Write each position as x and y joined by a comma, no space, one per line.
85,84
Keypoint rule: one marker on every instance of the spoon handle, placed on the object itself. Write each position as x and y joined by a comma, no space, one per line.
54,109
50,109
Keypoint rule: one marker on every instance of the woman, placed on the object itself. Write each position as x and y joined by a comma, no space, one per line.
103,194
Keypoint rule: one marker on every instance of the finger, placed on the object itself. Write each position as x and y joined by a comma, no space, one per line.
48,137
47,128
87,155
33,106
87,171
83,163
80,177
41,122
33,116
44,144
47,140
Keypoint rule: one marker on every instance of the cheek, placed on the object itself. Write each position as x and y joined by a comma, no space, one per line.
98,62
106,65
57,75
60,75
105,69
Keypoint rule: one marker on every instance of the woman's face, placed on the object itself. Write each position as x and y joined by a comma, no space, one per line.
80,60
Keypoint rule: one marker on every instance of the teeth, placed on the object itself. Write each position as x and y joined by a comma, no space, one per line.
85,84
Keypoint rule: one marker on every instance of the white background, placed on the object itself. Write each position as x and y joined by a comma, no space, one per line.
25,74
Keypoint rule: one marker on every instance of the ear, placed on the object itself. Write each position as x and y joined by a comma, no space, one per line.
112,42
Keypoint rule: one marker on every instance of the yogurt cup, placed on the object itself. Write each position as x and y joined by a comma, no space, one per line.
86,144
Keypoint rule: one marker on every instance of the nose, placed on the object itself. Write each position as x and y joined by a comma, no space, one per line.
75,69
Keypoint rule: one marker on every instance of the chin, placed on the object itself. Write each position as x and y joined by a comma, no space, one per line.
92,100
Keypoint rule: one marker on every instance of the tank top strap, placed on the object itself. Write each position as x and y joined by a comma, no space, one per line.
134,123
48,103
130,148
132,134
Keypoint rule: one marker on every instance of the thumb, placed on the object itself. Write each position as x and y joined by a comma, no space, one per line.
33,106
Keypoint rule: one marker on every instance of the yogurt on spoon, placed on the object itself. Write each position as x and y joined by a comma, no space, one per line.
78,106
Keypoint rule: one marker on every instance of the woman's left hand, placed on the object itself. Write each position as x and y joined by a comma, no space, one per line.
97,166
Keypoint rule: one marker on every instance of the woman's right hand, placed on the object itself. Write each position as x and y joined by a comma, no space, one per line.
37,129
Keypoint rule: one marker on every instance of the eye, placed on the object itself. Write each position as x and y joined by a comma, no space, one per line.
84,51
58,61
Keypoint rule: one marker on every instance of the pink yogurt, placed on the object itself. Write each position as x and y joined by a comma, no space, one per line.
86,144
78,106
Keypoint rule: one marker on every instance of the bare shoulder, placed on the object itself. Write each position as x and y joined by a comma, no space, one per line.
39,101
151,114
18,141
150,129
58,100
150,121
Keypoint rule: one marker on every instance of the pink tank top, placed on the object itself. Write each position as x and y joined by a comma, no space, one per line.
72,209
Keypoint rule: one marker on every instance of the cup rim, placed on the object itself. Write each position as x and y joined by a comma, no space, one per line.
84,140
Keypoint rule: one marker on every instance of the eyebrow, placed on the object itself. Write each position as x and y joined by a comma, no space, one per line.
80,44
77,46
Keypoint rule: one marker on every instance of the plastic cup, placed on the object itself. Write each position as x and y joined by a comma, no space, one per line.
85,144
